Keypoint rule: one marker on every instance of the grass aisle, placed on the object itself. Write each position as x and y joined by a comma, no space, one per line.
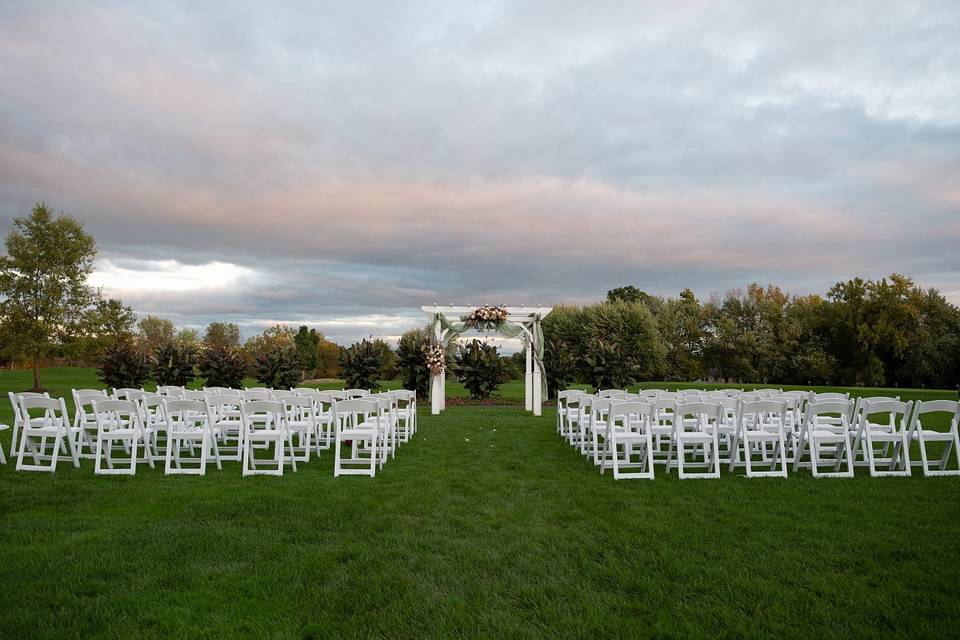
486,525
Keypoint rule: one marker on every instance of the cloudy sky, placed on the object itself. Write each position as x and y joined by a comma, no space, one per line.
340,164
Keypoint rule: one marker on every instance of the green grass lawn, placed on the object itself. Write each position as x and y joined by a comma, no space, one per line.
485,525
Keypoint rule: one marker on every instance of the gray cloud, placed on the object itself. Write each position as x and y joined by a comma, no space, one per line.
361,160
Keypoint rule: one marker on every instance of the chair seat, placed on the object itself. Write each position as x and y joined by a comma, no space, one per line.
300,425
763,434
358,433
937,436
266,434
191,431
696,436
830,436
49,430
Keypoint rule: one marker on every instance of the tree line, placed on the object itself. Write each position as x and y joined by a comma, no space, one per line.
886,332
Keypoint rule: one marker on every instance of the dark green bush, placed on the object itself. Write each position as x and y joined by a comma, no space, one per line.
280,368
223,367
361,364
123,365
412,350
480,368
176,364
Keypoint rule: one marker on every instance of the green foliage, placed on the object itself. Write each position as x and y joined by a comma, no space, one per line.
361,364
125,365
43,281
223,367
176,364
155,331
412,350
479,367
222,335
307,340
563,348
328,358
388,360
279,369
621,344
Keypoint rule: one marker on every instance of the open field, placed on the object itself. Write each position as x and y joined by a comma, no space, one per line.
485,525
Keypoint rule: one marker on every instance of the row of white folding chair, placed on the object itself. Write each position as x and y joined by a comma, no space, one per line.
368,426
695,428
825,438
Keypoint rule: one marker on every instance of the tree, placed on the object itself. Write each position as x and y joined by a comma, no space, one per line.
361,363
681,324
328,359
110,317
44,280
388,360
307,341
125,365
189,337
622,344
273,338
155,331
223,335
628,293
280,368
480,368
223,366
412,350
176,364
107,321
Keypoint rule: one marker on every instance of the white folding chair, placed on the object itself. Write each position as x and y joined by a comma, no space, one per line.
606,393
17,418
54,422
264,395
628,430
596,426
119,421
661,426
356,423
225,414
406,412
696,425
923,434
387,423
563,410
189,422
826,432
891,435
758,424
302,422
85,419
265,423
350,394
173,391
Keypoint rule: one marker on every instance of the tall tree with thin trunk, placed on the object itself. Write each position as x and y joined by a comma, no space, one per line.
43,280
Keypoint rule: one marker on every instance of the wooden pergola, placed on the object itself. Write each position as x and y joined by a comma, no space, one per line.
522,316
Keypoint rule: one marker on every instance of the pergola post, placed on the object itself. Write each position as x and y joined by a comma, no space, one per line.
536,383
528,376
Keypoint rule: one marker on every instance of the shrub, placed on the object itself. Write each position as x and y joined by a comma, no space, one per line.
123,365
223,367
360,364
622,344
480,368
560,365
176,364
412,350
279,369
